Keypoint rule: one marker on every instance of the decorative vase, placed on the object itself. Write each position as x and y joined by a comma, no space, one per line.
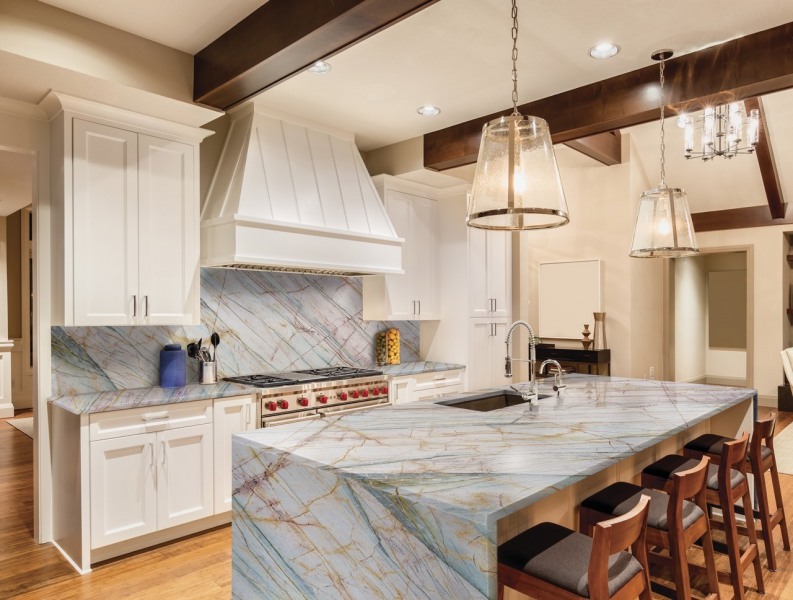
600,331
585,340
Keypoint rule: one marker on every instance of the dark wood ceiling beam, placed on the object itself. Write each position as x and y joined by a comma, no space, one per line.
282,38
765,160
736,218
603,147
753,65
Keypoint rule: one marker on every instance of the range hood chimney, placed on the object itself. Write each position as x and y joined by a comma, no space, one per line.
289,197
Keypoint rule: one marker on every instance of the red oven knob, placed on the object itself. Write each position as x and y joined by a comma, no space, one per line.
322,399
271,405
302,401
355,393
384,390
283,403
375,392
343,395
365,393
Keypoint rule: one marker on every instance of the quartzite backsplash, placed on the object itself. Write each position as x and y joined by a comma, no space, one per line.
266,321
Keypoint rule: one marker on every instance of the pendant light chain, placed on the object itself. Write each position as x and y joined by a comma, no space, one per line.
515,58
663,147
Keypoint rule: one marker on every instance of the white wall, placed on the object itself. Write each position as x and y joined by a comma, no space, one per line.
725,364
690,319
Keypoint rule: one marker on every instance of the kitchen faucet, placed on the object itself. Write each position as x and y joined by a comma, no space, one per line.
557,376
532,355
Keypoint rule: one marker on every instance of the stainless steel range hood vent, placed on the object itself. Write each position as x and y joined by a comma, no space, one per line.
296,198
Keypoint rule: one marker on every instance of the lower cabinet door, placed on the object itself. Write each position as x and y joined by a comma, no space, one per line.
231,415
184,475
123,488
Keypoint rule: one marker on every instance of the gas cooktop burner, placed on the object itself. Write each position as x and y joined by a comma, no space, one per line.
341,372
268,380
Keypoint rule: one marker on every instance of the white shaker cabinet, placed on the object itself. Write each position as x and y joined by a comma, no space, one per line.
135,229
231,415
415,294
125,216
408,388
490,272
486,354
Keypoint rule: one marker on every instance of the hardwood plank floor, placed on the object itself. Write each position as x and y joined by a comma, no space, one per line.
198,567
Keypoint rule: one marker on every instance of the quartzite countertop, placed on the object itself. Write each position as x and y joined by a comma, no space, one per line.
404,501
152,396
417,368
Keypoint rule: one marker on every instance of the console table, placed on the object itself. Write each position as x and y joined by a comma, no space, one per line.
577,360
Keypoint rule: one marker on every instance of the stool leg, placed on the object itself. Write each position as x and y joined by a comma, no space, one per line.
679,557
765,516
733,547
780,505
500,591
710,561
758,569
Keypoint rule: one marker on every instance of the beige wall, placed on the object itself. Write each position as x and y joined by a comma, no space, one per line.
14,271
52,36
602,203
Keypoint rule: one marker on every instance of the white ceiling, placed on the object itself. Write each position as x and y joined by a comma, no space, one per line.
187,25
456,54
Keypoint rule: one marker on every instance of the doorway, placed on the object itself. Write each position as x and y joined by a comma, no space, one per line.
710,304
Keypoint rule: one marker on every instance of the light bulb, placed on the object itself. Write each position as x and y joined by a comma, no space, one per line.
519,184
664,227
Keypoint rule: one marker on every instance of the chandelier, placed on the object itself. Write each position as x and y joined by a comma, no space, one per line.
721,132
516,184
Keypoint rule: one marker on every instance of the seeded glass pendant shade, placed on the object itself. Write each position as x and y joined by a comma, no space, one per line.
516,183
663,222
663,225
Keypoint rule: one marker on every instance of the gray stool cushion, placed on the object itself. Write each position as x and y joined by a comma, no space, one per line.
560,556
710,443
619,498
672,463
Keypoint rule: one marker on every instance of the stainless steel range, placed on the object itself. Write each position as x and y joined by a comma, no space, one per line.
314,393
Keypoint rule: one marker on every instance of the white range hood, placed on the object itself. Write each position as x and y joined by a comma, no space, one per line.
291,197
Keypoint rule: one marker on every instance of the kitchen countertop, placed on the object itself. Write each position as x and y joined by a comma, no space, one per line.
421,483
417,368
152,396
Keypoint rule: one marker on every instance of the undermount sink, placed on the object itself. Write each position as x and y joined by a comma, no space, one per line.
492,401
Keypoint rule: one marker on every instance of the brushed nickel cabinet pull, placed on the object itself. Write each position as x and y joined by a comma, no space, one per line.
134,305
146,304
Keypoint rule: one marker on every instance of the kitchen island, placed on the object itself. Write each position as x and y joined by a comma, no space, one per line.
411,501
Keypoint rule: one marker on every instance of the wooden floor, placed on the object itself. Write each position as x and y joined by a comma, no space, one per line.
198,567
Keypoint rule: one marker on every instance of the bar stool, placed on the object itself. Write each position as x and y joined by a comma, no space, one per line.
551,562
675,521
762,459
726,485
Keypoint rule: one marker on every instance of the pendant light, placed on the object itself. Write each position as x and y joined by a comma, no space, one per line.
516,184
663,221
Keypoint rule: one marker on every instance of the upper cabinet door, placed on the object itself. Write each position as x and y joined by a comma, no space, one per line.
400,289
105,221
168,213
424,241
499,272
489,272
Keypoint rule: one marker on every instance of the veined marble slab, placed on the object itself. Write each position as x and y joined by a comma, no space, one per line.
404,501
418,367
267,322
153,396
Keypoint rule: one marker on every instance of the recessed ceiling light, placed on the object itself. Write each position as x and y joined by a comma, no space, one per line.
605,50
428,110
320,67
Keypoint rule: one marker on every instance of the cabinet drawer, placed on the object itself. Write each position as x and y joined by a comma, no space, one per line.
437,380
437,392
132,421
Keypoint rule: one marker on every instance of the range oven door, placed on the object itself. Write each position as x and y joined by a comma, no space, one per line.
344,409
285,419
